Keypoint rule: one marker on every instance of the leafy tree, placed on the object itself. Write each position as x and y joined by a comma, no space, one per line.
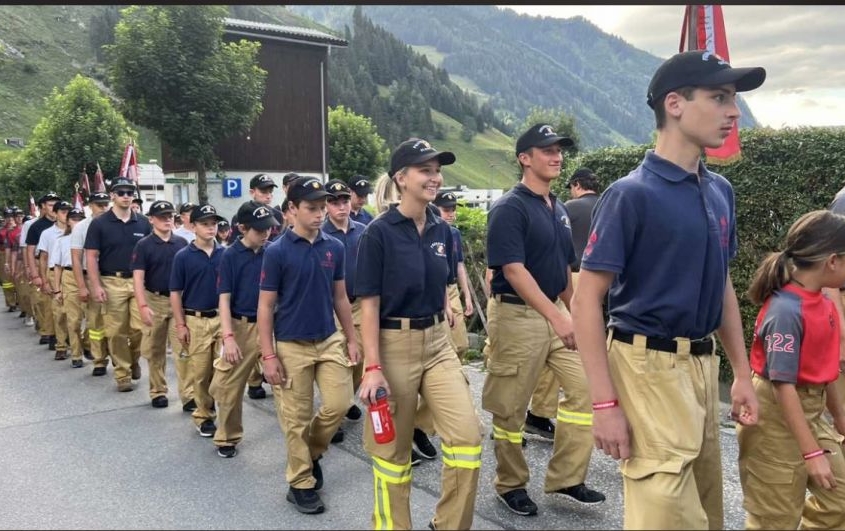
79,126
561,121
176,76
355,148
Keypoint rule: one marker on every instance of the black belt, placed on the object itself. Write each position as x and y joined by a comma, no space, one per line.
249,318
196,313
118,274
697,347
352,299
507,298
415,323
67,268
163,293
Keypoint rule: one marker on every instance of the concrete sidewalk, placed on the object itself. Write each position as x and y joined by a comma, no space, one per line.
80,455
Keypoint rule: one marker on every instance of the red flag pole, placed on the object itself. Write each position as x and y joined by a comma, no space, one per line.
99,182
706,27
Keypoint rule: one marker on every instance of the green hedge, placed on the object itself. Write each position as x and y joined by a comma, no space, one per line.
782,174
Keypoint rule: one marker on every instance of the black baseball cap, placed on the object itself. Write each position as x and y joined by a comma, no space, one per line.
579,175
540,135
99,197
257,216
49,196
76,213
121,182
360,185
284,206
205,211
307,189
138,200
289,178
338,188
223,225
61,205
700,68
262,180
416,151
160,208
446,199
186,207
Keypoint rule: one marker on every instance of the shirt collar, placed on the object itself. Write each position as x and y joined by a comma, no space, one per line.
294,237
241,248
522,189
671,171
394,217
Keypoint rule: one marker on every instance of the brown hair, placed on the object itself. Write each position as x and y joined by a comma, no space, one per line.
660,109
811,239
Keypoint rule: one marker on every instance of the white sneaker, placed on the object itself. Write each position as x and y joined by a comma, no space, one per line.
29,321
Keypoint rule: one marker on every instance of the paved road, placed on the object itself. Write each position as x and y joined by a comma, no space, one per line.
79,455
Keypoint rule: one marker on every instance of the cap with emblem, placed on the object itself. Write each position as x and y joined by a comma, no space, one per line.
49,196
256,216
262,180
204,212
61,205
307,189
76,213
446,199
540,135
99,197
121,182
161,208
417,151
186,207
338,188
360,185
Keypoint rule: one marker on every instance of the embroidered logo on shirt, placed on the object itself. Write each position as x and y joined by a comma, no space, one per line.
439,249
328,261
723,232
594,237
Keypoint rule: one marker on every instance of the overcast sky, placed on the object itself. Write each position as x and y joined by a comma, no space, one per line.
802,49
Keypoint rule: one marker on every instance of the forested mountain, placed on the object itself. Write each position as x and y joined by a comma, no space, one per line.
518,61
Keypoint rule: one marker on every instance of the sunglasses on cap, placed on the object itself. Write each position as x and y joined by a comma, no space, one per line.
124,193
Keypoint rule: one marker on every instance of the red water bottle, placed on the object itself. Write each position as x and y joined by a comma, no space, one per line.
382,421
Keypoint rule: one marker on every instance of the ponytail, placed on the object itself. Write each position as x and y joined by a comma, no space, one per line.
771,275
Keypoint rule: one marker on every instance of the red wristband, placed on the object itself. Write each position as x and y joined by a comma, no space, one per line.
143,306
605,405
269,357
372,368
814,453
227,336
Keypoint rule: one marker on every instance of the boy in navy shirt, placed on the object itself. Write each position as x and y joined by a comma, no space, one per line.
193,299
237,287
303,273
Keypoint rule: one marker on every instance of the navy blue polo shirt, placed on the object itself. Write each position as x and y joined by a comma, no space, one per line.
668,237
240,273
303,274
115,239
521,228
194,273
363,217
34,233
407,271
350,240
457,254
154,257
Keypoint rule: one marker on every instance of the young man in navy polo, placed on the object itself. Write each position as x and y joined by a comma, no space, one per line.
660,243
237,288
152,261
108,250
339,225
302,287
193,299
361,189
529,249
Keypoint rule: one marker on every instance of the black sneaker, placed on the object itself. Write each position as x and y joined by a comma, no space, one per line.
44,340
338,435
189,406
98,371
159,401
582,494
76,364
517,501
422,445
22,315
227,451
317,472
53,342
136,372
87,354
539,426
354,413
307,501
207,428
256,393
416,459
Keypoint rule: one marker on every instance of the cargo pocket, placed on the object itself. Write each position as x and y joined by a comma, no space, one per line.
768,488
642,468
498,393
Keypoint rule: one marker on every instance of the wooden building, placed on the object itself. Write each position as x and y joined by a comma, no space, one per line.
291,134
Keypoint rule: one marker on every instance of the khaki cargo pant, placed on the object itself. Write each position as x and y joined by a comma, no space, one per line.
458,334
97,342
122,326
358,368
202,351
74,312
228,382
44,310
673,479
307,434
9,290
154,341
59,316
423,363
521,343
772,471
23,290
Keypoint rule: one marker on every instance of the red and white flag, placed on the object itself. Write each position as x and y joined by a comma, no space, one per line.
129,164
99,182
84,184
704,29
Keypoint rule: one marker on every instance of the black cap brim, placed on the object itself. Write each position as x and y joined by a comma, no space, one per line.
443,157
563,141
206,217
447,204
161,213
743,79
315,195
341,194
264,223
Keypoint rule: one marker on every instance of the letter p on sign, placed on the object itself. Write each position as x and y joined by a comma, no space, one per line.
232,187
